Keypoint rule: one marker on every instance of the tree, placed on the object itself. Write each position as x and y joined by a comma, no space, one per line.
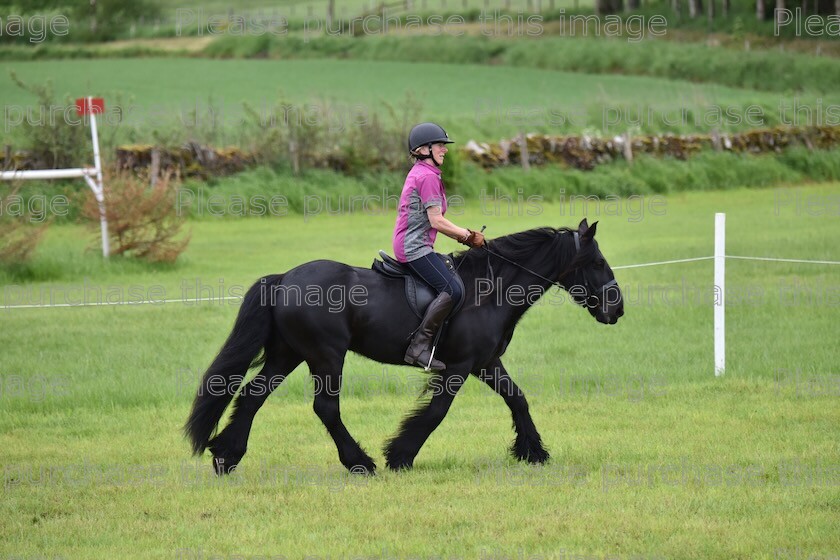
826,7
760,10
695,8
109,17
777,13
676,5
603,7
330,13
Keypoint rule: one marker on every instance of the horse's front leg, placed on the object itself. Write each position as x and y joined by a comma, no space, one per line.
416,428
528,445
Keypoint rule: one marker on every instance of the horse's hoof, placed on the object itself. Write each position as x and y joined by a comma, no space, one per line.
534,454
539,457
363,470
400,464
225,464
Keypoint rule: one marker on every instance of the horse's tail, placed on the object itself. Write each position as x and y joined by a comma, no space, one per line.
240,352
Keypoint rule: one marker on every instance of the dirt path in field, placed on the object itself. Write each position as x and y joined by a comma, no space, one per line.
189,44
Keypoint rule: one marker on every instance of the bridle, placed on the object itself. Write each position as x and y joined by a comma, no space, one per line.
591,293
587,284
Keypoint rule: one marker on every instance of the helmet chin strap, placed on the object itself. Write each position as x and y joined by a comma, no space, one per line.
428,156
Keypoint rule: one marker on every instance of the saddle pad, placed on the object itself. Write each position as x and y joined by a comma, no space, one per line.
418,294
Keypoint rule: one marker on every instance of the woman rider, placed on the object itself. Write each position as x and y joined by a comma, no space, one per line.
419,218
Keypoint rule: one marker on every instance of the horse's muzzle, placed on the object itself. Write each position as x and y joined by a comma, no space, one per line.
610,315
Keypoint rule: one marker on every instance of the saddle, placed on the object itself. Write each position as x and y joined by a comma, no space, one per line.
417,292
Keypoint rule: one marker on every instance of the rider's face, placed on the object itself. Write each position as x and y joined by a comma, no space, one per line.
438,151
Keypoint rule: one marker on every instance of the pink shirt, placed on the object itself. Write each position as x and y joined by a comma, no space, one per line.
414,235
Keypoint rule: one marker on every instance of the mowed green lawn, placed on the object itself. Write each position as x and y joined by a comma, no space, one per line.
195,96
652,456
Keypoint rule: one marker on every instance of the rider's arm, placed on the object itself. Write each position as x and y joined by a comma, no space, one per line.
444,226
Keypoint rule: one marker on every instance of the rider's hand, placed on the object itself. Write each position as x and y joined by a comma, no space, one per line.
473,239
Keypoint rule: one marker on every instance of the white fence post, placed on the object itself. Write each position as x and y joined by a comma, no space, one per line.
720,293
99,191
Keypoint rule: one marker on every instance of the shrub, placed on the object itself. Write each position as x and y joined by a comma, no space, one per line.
18,236
52,141
143,221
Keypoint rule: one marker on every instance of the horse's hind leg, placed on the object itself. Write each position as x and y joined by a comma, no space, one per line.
229,446
326,374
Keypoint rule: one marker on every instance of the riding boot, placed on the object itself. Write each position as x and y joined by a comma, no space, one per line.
420,349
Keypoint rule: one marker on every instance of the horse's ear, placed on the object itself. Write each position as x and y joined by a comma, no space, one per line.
590,232
583,226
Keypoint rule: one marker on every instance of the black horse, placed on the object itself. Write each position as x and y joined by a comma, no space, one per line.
287,319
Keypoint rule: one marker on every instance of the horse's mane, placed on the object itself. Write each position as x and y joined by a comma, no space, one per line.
539,247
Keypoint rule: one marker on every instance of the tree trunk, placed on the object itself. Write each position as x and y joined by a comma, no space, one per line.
777,13
695,8
711,11
760,10
725,8
633,4
93,17
603,7
827,8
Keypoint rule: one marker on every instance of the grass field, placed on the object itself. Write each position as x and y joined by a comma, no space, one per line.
203,99
653,456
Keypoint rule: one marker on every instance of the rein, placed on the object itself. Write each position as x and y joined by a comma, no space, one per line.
538,275
526,269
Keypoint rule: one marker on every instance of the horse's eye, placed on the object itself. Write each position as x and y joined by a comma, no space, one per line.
600,263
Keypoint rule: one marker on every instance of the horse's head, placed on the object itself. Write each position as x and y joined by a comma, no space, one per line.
590,280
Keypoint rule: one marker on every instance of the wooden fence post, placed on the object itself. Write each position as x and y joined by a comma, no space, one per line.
294,156
523,152
716,143
154,168
628,147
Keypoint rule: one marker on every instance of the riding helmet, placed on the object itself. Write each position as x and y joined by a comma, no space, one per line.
426,133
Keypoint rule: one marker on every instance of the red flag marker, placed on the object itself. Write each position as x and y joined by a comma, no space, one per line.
95,105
